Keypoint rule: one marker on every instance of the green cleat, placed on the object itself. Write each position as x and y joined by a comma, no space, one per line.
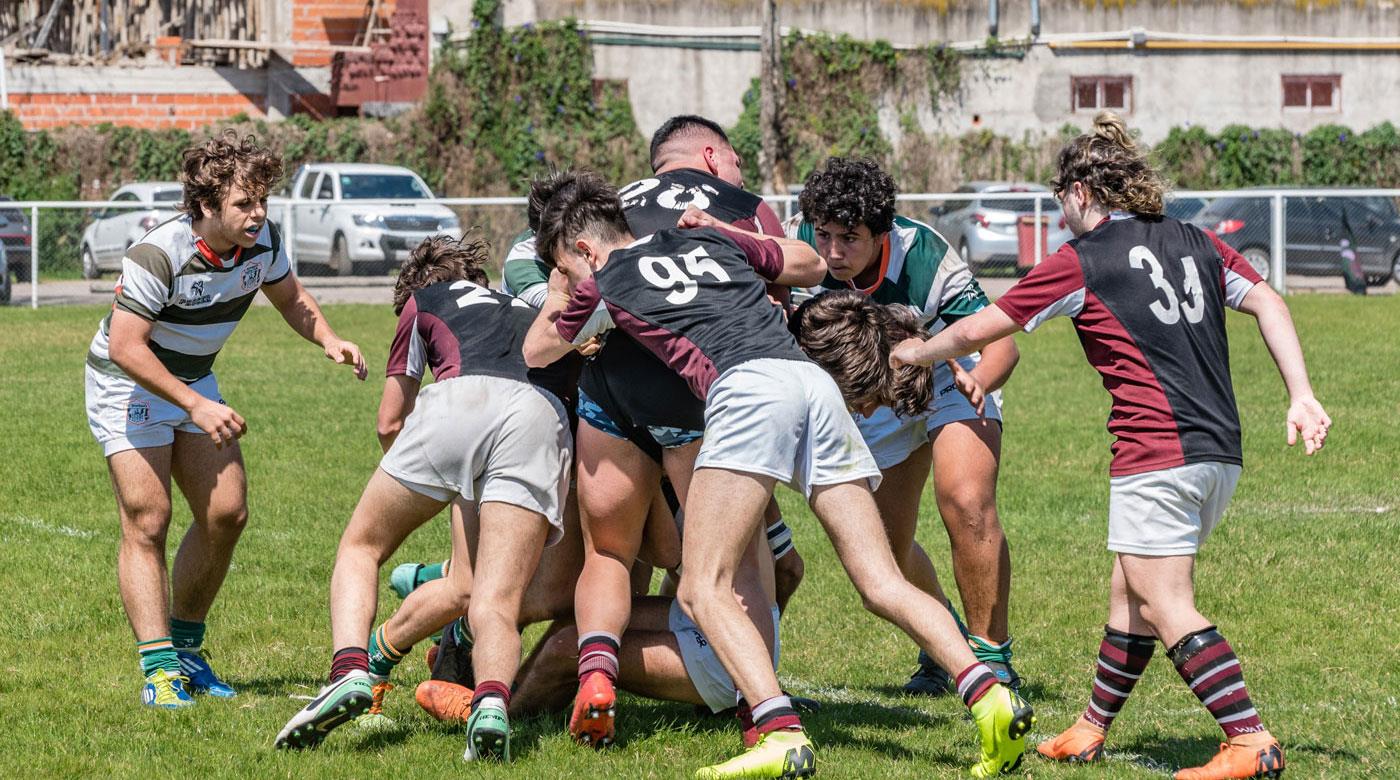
337,703
404,578
778,754
1003,720
488,734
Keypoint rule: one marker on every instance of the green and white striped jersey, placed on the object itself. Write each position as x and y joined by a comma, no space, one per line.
193,298
920,271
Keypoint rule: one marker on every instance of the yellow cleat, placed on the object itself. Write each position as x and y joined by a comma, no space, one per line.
779,754
1003,720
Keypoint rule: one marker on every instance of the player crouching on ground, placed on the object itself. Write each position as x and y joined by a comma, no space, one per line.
481,431
697,299
154,404
1147,295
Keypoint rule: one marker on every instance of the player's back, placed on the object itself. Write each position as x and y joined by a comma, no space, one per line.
460,328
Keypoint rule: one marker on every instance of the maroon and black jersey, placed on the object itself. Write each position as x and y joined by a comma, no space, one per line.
459,328
694,298
1147,296
630,383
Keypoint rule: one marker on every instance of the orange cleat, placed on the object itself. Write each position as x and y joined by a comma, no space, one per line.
1237,761
1078,744
446,701
595,706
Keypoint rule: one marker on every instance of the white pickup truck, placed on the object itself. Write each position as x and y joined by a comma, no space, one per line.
331,230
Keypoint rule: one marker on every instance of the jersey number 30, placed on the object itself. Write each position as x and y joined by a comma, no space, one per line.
664,273
1171,311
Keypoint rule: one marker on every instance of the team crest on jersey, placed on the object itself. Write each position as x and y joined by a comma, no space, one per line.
252,276
138,413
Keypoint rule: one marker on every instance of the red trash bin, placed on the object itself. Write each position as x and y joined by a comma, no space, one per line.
1025,241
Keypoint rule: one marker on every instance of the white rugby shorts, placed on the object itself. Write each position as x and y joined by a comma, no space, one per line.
486,438
784,419
892,439
702,666
123,415
1168,511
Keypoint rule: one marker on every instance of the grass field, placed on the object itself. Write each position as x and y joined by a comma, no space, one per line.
1301,577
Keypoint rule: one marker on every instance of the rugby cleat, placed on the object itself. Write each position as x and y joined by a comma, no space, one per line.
338,702
201,677
998,659
595,707
448,702
165,691
488,734
783,754
374,717
1003,720
404,578
929,679
1236,762
453,662
1078,744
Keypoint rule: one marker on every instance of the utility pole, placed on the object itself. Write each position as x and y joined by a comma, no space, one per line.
770,93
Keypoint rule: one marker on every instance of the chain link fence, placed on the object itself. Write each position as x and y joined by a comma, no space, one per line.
1301,238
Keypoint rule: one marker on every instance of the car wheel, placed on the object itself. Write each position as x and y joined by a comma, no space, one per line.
967,258
1258,258
341,265
90,269
1395,268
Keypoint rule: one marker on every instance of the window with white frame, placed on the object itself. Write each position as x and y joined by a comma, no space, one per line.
1321,93
1094,93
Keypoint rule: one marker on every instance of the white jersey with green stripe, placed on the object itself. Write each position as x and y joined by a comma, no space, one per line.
193,298
921,271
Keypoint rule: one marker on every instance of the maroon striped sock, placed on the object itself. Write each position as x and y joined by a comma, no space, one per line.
1122,659
491,688
1207,664
347,660
597,652
774,714
974,682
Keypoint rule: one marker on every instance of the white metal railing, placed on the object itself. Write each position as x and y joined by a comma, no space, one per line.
784,204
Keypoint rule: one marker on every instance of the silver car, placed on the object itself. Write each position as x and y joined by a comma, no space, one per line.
112,230
984,229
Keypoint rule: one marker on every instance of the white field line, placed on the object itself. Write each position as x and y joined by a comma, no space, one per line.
47,527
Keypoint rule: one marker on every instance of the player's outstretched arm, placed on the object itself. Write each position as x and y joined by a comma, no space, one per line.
400,396
300,311
546,342
963,337
129,348
1306,417
802,266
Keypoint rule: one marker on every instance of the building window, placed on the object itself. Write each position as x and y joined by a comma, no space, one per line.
1092,93
1312,93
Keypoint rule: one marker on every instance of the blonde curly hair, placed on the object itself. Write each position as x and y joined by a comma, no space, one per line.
1109,163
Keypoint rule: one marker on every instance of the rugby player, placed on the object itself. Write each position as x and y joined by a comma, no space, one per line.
1147,295
154,404
848,215
697,299
482,432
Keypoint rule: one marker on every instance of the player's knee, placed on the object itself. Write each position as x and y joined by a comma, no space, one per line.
789,570
972,515
146,526
882,598
561,647
228,521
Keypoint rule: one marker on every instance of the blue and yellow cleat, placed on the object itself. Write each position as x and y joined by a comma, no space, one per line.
202,679
165,691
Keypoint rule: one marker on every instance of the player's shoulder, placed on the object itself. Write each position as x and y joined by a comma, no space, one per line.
919,238
165,248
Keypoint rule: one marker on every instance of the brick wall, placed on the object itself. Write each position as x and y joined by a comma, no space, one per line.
188,111
335,22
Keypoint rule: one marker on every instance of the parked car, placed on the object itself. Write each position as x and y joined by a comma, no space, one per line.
1314,228
336,232
984,231
1184,209
112,230
6,284
14,237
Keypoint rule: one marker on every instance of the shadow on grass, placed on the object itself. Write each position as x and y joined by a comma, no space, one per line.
1166,755
1032,693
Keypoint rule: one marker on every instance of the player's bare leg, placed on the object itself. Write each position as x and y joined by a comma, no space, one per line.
216,487
512,539
141,482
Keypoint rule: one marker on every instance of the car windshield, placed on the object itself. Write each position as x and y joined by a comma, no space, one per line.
162,196
363,186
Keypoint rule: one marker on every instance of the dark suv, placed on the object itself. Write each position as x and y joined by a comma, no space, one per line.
1314,227
14,234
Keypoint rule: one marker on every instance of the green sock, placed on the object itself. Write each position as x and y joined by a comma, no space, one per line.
429,572
186,634
156,654
383,657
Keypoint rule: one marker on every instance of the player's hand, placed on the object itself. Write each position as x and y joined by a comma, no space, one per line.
347,354
906,353
695,218
968,385
560,285
1307,417
590,347
222,423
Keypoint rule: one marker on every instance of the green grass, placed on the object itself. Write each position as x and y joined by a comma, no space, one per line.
1300,577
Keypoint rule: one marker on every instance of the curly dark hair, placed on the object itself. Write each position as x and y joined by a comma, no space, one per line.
440,259
571,203
850,193
1109,163
850,336
208,170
